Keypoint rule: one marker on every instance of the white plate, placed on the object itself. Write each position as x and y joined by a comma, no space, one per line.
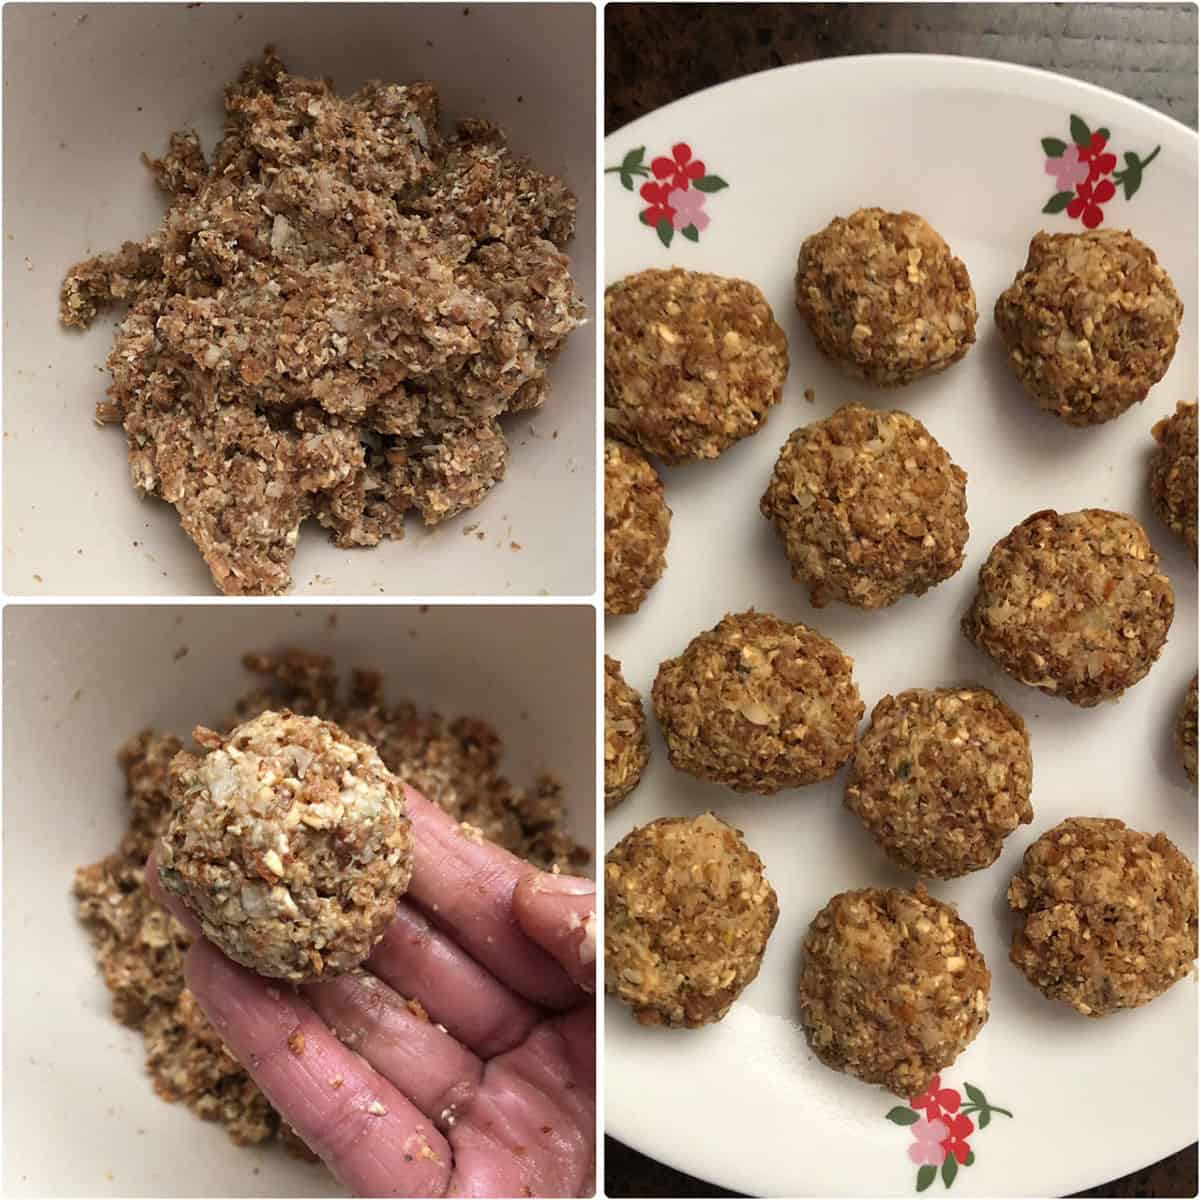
80,1117
88,87
744,1103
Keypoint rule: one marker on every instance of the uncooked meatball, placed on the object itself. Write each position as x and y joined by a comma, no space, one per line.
692,362
1090,323
687,915
940,779
288,839
637,524
869,508
1185,731
892,987
758,704
884,297
1073,604
1107,915
1173,473
626,751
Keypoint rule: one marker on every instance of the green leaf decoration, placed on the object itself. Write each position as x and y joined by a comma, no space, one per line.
645,220
902,1116
1104,133
691,233
665,231
949,1169
1054,147
1130,178
710,183
974,1093
970,1160
1058,202
985,1117
633,159
925,1176
626,181
1081,134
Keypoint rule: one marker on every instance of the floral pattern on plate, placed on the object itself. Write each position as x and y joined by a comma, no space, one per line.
676,190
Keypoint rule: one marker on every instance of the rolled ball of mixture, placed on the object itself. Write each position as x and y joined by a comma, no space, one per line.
289,841
692,362
1173,473
626,751
1185,731
1090,322
687,915
1107,915
637,525
940,778
884,297
758,704
1073,604
869,508
892,987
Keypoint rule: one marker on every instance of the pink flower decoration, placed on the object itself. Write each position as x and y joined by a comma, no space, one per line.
1068,169
928,1146
689,209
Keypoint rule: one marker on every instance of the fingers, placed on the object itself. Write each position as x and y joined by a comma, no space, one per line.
466,888
368,1133
558,912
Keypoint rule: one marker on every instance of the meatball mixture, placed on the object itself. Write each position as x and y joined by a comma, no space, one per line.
892,987
692,362
1185,732
758,704
687,915
626,751
1073,604
637,524
1090,323
289,841
1173,473
941,778
1108,915
869,508
884,297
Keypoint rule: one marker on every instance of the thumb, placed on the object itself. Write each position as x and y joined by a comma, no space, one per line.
558,912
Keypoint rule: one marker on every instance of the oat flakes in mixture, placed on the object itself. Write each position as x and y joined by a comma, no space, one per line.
637,525
1173,472
1185,731
330,320
626,751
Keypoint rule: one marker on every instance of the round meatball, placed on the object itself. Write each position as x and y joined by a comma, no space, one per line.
626,751
288,839
692,362
687,915
758,704
884,297
1090,323
869,508
892,987
1173,473
637,524
941,778
1185,732
1107,915
1073,604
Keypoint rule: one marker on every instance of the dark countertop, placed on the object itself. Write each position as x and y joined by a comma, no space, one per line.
656,53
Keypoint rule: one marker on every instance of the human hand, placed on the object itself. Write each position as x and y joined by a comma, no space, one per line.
493,1092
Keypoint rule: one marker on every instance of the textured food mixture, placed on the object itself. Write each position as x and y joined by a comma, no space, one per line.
692,362
1073,604
1185,731
1107,915
1090,323
289,842
329,321
892,987
940,779
884,298
637,524
626,751
687,915
758,704
140,947
869,508
1173,472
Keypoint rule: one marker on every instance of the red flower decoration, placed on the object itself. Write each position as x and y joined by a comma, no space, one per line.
655,194
1087,202
1098,162
936,1100
960,1128
680,169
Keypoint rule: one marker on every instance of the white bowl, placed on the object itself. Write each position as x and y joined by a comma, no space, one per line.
89,87
80,1118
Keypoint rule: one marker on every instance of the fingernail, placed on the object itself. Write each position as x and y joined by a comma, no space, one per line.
565,885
